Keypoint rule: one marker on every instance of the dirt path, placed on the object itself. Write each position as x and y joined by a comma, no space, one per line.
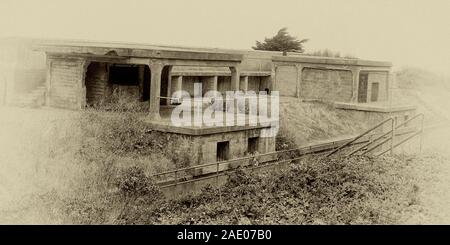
431,171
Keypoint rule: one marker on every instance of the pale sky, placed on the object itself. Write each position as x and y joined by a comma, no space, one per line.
405,32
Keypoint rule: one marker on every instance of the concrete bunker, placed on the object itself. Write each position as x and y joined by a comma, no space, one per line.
110,82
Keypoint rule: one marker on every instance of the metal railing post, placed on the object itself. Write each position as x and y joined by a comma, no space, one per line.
360,136
217,175
392,137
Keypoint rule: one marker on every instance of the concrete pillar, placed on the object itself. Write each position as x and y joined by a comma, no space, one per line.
273,78
355,86
141,82
235,78
84,64
177,84
244,83
169,86
155,90
209,84
299,80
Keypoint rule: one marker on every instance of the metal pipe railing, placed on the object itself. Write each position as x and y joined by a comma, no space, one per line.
393,144
370,142
360,136
218,174
378,145
402,141
302,151
303,148
409,120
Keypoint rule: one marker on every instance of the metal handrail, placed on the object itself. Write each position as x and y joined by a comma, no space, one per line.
218,174
409,120
309,147
378,145
422,116
369,143
360,136
213,164
219,163
401,142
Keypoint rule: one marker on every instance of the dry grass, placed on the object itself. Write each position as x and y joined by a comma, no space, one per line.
51,156
312,122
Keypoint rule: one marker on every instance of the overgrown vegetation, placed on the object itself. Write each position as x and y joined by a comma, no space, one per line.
91,165
97,169
356,190
314,191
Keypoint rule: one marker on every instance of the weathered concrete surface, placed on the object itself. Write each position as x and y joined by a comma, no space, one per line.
326,85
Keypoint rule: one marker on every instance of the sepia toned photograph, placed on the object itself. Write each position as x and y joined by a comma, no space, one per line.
249,113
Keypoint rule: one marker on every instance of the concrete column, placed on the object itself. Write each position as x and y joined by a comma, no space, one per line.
209,84
244,84
235,78
169,85
299,79
141,82
84,64
155,90
355,86
177,84
273,78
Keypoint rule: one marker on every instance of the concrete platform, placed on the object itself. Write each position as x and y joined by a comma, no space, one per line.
165,124
383,107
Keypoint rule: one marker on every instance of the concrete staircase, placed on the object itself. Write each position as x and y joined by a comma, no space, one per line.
35,98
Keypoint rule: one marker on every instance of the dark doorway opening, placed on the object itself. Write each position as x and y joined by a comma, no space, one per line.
252,145
96,82
146,84
223,151
362,88
124,75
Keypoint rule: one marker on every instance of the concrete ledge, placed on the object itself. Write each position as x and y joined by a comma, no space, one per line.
374,107
166,127
214,72
331,61
146,51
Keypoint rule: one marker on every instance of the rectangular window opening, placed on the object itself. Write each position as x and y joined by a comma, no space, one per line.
223,151
252,145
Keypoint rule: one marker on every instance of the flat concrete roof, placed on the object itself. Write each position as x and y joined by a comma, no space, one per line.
131,50
165,124
157,51
331,61
212,71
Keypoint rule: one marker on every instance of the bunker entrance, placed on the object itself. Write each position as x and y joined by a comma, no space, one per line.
108,83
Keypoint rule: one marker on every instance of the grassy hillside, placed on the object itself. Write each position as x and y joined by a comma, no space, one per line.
50,155
311,122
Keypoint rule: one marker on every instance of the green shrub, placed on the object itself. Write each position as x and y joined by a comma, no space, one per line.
356,190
